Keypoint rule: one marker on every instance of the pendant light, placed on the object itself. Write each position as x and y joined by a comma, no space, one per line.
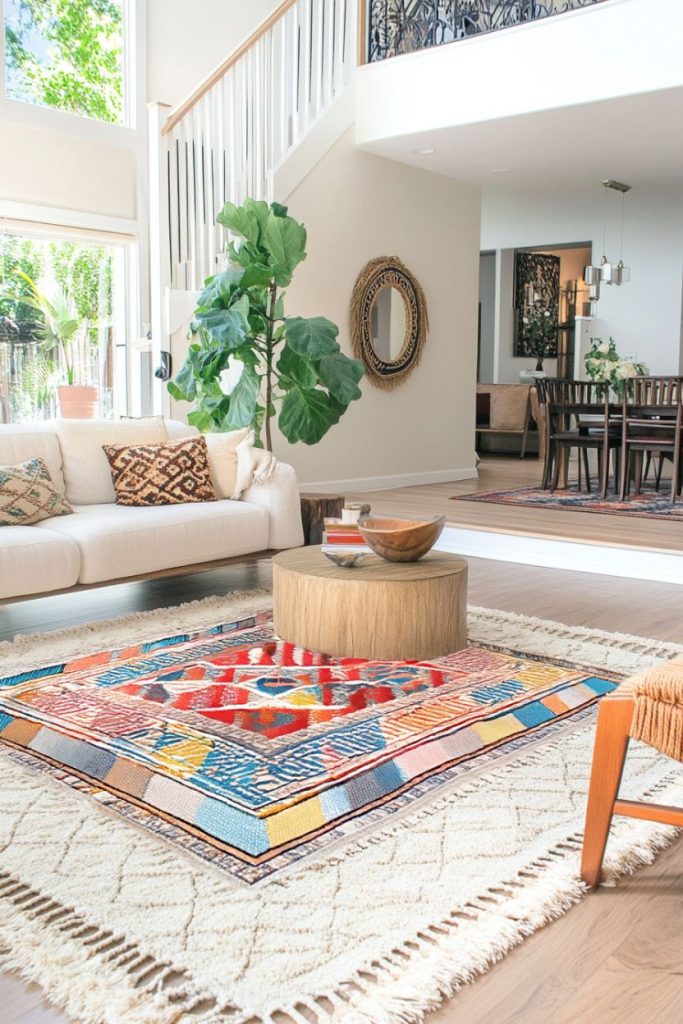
609,272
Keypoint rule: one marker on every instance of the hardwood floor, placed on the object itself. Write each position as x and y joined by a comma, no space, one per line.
508,473
614,959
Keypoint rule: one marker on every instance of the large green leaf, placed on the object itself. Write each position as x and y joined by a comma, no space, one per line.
297,368
220,288
248,220
314,336
243,399
341,376
285,240
307,414
227,327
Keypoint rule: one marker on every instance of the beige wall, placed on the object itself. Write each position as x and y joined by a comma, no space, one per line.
51,169
187,40
356,207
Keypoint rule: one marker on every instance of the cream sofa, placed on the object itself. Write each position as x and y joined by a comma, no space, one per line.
103,541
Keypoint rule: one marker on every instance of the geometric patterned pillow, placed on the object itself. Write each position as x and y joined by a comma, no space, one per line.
170,473
28,495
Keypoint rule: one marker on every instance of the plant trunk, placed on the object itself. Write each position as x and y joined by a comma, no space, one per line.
269,364
539,364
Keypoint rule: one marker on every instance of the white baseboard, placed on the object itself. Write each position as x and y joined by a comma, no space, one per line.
630,563
385,483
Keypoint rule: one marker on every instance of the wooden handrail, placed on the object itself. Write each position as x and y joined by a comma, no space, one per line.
197,94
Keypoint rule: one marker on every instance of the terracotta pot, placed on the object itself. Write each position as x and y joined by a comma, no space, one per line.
78,402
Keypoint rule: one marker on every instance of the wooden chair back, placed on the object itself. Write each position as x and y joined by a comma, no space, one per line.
570,399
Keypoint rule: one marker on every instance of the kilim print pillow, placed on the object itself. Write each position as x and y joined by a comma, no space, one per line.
171,473
28,495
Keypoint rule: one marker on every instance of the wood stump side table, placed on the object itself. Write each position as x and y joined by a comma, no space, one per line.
385,611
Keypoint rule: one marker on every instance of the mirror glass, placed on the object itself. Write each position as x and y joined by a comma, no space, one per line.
388,324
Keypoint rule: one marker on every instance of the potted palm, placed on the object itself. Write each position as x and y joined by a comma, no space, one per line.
60,328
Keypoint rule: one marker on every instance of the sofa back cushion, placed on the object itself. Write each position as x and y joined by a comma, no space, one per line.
171,473
20,442
224,461
86,470
28,495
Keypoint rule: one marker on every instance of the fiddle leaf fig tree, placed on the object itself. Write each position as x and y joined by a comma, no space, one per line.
249,362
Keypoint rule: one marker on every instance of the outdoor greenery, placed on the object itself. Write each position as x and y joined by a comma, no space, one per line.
43,286
606,366
249,358
66,54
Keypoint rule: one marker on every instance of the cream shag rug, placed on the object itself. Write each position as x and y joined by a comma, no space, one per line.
119,928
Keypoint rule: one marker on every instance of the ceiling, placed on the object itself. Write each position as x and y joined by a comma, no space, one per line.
637,139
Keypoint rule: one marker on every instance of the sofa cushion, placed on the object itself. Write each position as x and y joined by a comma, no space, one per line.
27,494
86,470
20,442
224,453
116,541
171,473
35,561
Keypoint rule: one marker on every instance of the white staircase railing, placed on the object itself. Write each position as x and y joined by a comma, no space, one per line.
226,140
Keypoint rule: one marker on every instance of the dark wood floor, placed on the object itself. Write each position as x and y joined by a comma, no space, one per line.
615,959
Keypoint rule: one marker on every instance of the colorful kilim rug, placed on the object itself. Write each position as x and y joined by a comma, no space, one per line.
255,754
650,504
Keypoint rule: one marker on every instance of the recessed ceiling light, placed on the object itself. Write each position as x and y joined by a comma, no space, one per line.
425,152
500,170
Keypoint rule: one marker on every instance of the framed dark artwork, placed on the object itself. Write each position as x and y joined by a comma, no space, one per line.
537,302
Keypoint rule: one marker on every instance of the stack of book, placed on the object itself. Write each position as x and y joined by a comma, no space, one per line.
343,537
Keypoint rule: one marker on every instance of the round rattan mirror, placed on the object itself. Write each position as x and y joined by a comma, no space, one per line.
388,321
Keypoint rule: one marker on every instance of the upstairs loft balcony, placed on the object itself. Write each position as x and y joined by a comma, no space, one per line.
480,84
396,27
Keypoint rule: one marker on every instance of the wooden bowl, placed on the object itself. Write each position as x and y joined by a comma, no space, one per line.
401,540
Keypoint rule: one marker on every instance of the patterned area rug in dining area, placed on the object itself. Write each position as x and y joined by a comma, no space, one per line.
201,822
650,504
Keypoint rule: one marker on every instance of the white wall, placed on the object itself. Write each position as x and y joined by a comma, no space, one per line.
189,38
357,207
55,169
594,53
643,316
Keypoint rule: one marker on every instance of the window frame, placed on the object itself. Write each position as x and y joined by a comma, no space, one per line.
53,225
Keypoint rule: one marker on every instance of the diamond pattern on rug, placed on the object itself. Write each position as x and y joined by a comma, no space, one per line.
267,752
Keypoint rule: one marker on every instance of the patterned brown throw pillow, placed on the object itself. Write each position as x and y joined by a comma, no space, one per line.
28,495
171,473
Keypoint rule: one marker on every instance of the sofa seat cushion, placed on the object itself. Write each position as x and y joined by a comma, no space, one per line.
116,541
34,561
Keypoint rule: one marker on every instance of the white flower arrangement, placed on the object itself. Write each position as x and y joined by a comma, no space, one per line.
605,366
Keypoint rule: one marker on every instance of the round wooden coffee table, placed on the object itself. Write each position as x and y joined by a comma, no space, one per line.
386,611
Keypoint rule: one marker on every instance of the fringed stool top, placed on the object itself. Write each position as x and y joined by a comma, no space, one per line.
658,711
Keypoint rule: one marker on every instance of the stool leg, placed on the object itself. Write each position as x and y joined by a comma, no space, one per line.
609,753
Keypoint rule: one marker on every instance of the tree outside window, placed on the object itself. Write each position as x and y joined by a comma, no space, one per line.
67,54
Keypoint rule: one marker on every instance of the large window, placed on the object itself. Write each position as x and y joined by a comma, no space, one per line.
62,320
67,54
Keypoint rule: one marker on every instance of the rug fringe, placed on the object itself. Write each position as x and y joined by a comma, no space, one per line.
384,992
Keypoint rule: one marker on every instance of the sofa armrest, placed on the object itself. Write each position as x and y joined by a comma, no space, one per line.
279,495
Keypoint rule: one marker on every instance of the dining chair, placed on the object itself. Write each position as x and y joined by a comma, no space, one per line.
578,415
647,708
652,424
